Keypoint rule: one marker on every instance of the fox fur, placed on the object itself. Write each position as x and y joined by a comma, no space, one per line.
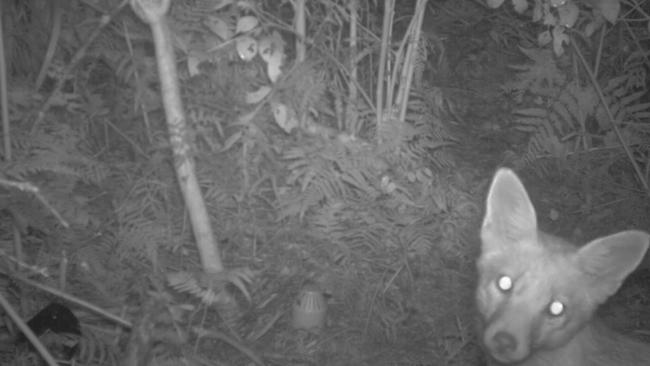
537,293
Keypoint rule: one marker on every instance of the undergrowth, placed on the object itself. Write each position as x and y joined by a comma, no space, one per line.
381,219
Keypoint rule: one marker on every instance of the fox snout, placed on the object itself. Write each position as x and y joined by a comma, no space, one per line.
508,339
503,344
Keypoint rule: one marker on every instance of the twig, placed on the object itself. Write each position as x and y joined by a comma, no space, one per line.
31,188
75,300
51,46
611,118
42,271
27,331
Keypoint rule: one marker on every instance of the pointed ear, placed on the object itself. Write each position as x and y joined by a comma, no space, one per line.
609,260
509,214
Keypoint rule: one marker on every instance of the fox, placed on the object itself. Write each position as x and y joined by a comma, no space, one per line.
537,294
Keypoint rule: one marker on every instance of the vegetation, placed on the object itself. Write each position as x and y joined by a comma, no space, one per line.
346,155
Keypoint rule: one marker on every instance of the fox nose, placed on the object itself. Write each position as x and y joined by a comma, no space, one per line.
504,342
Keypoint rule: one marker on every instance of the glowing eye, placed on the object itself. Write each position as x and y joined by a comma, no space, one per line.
504,283
556,308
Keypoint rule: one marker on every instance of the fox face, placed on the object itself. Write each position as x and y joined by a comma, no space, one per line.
536,291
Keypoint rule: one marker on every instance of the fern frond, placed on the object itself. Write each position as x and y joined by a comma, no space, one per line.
296,202
186,283
561,128
419,239
142,241
96,349
54,150
625,102
564,128
325,172
205,289
542,77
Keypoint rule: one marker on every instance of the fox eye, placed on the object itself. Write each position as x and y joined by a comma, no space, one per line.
556,308
504,283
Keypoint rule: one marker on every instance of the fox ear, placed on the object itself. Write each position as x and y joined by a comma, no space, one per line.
609,260
509,214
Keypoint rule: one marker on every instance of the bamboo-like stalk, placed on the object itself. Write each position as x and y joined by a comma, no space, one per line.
153,13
